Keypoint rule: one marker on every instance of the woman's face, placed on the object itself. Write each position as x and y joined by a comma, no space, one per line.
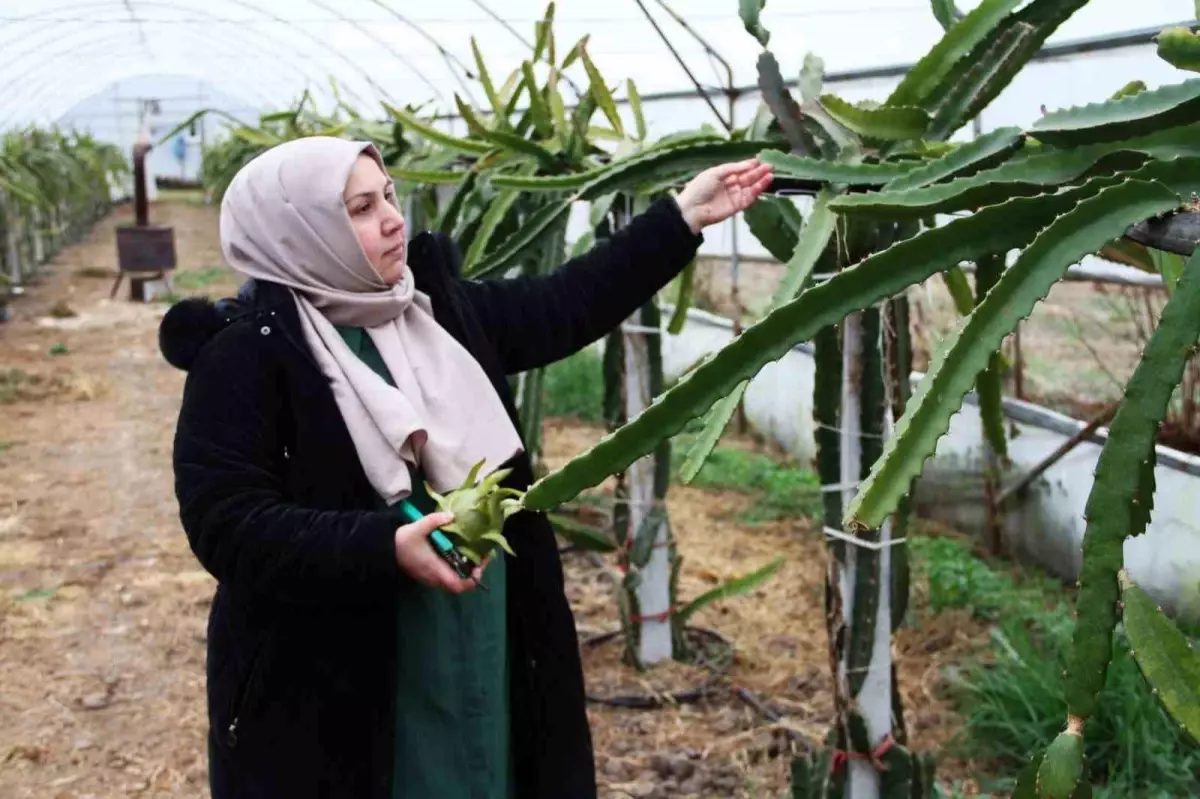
371,203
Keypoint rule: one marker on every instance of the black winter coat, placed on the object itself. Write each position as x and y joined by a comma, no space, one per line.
302,631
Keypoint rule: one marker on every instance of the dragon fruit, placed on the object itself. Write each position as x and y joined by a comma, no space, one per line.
480,510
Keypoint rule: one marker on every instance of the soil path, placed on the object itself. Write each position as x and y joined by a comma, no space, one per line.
103,606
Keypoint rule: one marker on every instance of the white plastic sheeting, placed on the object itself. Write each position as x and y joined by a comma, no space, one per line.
72,60
55,53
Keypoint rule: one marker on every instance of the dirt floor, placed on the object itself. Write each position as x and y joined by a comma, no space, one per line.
103,606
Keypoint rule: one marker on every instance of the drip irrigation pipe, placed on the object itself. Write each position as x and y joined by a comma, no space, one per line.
707,689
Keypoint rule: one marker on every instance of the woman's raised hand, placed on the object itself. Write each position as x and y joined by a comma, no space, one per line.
721,191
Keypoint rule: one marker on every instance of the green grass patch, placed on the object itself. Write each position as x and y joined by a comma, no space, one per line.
1012,699
573,388
196,279
782,489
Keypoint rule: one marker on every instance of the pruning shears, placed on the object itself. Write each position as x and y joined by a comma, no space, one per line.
462,565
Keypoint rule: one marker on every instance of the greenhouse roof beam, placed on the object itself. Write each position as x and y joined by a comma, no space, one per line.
451,59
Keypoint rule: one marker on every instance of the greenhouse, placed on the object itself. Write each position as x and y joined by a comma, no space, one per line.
516,398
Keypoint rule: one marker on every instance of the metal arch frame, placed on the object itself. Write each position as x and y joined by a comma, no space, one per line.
127,68
244,4
366,76
382,43
446,54
20,106
253,46
16,98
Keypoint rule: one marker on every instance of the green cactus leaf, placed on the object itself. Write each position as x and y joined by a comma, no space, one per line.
821,170
918,85
749,11
1009,45
899,771
683,299
599,90
441,178
539,110
812,242
889,122
567,182
801,773
582,535
485,79
946,13
496,211
520,144
678,160
652,165
1136,115
645,537
993,229
960,290
512,249
776,223
436,135
1180,48
989,384
1081,231
499,540
731,588
635,105
1166,658
981,153
971,83
786,110
1122,493
1061,767
1024,175
1026,787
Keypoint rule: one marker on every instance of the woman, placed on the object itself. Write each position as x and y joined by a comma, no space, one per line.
345,658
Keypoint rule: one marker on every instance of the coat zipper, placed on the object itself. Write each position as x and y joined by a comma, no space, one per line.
240,703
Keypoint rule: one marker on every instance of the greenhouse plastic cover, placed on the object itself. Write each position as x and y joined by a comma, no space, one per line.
265,53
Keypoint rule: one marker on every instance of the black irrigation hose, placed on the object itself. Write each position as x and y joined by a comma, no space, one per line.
654,701
706,689
658,701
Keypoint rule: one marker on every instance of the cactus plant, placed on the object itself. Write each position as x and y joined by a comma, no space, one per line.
1070,186
1167,659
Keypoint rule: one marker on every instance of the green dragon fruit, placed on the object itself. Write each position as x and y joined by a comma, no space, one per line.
480,510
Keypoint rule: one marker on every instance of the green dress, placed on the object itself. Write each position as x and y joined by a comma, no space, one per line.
452,714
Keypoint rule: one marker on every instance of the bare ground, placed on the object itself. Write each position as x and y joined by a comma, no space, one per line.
103,606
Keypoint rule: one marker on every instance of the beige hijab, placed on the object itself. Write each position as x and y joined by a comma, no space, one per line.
283,219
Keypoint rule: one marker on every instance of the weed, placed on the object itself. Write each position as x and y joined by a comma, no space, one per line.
783,490
196,279
95,272
1013,701
957,579
59,349
61,310
574,387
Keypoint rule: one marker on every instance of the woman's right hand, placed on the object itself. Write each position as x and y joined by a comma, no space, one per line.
416,556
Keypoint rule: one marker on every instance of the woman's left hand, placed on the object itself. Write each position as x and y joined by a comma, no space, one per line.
721,191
